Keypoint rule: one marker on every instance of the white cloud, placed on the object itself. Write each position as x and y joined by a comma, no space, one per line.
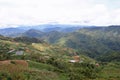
33,12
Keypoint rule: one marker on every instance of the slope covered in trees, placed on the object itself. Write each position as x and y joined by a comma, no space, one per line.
42,61
94,42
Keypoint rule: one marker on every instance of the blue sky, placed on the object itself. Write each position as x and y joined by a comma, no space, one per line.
82,12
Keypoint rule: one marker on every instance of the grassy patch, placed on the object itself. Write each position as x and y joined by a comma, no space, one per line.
40,66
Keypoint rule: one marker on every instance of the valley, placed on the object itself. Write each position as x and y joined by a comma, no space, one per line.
89,53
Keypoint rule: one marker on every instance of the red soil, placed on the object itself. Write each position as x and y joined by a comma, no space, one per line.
17,62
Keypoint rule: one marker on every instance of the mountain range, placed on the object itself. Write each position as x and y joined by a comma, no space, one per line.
95,42
14,32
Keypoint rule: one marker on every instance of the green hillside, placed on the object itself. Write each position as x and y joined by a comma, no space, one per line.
28,58
39,61
93,42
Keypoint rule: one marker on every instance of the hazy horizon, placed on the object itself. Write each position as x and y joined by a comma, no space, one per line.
47,25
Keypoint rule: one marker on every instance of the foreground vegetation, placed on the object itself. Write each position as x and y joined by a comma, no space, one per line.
59,71
41,61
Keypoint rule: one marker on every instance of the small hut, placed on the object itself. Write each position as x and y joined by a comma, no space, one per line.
77,58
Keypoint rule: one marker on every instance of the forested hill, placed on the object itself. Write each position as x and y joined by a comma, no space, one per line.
95,41
30,58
